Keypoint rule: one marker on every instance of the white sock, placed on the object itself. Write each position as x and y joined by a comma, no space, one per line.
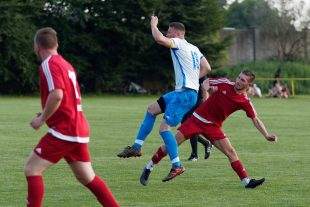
245,181
150,165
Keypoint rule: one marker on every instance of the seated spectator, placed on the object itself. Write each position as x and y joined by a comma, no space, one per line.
279,90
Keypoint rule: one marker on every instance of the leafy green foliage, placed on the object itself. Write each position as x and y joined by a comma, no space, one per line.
17,61
109,42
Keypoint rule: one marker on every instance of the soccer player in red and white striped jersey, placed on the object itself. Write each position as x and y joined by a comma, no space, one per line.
68,129
225,98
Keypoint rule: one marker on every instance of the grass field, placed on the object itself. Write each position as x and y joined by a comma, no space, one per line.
114,121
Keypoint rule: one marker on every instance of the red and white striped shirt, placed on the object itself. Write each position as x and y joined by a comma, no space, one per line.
68,122
223,102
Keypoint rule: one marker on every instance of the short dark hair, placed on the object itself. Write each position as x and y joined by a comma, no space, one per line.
250,74
178,26
46,38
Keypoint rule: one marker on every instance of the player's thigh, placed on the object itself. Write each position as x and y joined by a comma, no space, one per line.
36,165
226,147
178,104
83,171
180,137
188,129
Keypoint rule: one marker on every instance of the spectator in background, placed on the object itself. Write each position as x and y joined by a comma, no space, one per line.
279,90
254,90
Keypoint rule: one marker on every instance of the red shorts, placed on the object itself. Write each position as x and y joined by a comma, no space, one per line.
193,126
53,149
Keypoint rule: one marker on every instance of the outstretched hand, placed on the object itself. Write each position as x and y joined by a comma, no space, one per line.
206,85
272,138
154,21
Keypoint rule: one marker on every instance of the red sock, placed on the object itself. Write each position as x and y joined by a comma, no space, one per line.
104,195
239,169
159,155
35,191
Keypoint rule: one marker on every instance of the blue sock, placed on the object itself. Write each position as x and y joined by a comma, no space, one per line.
145,128
171,147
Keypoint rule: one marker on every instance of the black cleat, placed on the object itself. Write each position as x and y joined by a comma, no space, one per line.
144,178
254,183
207,144
129,152
173,173
193,158
208,148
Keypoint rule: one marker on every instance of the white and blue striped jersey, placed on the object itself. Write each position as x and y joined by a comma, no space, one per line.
186,62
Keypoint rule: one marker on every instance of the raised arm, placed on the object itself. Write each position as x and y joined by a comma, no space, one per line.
262,129
158,36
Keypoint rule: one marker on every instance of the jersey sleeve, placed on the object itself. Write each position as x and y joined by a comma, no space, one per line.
249,109
53,76
175,43
200,55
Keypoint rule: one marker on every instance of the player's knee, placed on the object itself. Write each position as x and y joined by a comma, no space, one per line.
84,179
151,109
164,128
154,109
179,137
29,170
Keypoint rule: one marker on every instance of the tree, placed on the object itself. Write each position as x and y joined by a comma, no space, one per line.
17,61
274,18
108,41
116,43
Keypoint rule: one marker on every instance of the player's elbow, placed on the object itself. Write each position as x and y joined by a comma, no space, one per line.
208,69
57,95
159,40
205,68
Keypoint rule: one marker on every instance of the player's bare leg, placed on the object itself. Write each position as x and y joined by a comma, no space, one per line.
85,174
225,146
34,168
146,127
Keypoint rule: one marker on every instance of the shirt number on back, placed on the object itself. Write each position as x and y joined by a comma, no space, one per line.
72,77
195,60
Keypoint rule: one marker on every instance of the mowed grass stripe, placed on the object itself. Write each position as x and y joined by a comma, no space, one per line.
114,121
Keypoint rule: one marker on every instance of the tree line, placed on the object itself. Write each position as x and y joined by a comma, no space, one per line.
110,42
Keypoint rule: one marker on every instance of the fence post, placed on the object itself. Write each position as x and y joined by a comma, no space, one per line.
293,87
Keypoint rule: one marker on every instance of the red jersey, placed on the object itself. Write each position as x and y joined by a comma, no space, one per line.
223,102
68,122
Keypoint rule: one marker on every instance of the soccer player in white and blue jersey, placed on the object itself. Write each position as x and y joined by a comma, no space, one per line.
189,65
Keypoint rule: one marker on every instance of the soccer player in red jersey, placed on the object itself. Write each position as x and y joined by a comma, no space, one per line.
225,98
68,130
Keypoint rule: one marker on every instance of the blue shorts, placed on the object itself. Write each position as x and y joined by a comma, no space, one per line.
177,104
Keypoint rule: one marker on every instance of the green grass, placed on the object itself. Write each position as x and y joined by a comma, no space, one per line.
114,121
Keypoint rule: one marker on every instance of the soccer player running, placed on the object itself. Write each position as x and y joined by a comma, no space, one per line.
68,130
189,64
225,98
